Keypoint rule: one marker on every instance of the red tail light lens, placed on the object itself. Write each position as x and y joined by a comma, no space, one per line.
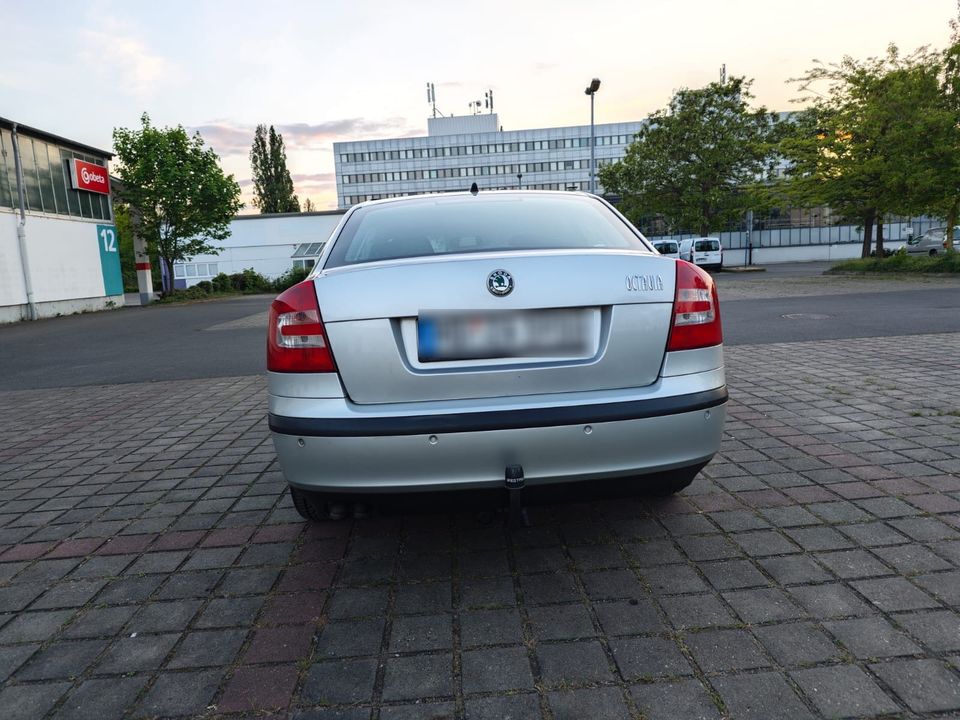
696,310
296,340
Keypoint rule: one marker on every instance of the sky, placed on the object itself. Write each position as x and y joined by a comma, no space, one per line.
328,71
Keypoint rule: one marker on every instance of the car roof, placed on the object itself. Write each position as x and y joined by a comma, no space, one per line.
430,197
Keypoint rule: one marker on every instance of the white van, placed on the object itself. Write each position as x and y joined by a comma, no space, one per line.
932,242
702,251
670,248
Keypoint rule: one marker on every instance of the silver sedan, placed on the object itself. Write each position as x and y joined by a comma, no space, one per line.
470,340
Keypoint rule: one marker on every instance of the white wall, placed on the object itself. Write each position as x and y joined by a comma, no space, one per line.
65,269
12,291
795,253
267,242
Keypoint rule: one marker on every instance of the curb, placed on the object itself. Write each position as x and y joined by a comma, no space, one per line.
873,274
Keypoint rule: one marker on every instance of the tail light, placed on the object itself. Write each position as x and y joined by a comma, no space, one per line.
296,340
696,310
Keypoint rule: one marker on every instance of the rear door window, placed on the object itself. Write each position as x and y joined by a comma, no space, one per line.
707,245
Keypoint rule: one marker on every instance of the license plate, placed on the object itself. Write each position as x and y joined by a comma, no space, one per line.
509,334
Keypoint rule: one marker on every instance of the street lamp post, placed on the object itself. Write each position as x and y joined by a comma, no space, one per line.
591,91
519,181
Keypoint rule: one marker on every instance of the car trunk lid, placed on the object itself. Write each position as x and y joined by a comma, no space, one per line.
433,329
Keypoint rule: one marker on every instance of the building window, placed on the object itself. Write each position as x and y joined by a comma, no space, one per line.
46,179
178,271
308,250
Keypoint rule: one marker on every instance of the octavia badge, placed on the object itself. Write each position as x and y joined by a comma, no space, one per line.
500,283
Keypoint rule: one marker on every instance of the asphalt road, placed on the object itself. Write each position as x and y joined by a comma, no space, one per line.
159,342
832,317
226,338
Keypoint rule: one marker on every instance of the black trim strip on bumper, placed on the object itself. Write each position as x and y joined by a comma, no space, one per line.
498,420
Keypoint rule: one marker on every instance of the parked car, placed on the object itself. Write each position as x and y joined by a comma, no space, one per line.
668,248
702,251
460,341
932,242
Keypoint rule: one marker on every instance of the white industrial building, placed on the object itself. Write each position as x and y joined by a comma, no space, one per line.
269,244
460,151
58,245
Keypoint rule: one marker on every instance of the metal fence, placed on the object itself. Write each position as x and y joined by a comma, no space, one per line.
803,236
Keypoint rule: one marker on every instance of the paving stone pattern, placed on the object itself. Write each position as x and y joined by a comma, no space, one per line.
151,565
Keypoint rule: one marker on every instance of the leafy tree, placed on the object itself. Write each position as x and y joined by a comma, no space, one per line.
272,185
182,197
125,233
858,148
943,152
308,205
125,240
697,162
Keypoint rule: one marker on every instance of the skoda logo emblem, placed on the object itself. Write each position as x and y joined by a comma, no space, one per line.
500,283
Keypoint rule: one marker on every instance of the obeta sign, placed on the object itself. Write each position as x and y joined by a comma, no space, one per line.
88,176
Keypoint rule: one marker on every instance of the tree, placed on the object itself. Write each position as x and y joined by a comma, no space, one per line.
697,161
943,153
182,197
308,206
862,147
272,185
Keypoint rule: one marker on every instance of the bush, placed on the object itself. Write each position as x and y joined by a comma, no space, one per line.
190,293
205,285
250,281
903,263
290,278
221,283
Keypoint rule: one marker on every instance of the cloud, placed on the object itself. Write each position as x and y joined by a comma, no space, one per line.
229,138
132,67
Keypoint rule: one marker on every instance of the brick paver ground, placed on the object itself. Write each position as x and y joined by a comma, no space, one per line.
151,565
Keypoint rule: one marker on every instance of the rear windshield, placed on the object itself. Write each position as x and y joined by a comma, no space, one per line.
665,248
706,245
466,224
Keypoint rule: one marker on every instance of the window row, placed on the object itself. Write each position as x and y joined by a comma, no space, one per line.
453,151
190,270
574,185
305,264
308,250
46,179
401,175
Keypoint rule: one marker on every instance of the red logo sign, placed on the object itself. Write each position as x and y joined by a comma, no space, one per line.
87,176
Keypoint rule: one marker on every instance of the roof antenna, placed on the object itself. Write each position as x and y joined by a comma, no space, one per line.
474,189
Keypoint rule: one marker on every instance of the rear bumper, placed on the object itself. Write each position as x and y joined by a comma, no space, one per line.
472,449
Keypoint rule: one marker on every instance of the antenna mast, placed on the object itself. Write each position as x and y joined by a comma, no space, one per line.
487,101
432,99
723,74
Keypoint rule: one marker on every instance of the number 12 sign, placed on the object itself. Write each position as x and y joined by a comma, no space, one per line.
110,260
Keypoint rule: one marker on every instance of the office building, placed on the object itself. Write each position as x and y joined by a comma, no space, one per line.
460,151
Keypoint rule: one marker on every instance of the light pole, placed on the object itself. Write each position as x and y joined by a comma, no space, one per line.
591,91
519,181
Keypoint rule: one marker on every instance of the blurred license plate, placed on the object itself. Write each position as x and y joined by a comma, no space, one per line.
477,336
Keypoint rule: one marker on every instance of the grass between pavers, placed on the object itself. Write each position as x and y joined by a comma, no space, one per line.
947,263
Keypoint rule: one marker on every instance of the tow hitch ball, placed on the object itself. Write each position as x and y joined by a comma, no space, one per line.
513,480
